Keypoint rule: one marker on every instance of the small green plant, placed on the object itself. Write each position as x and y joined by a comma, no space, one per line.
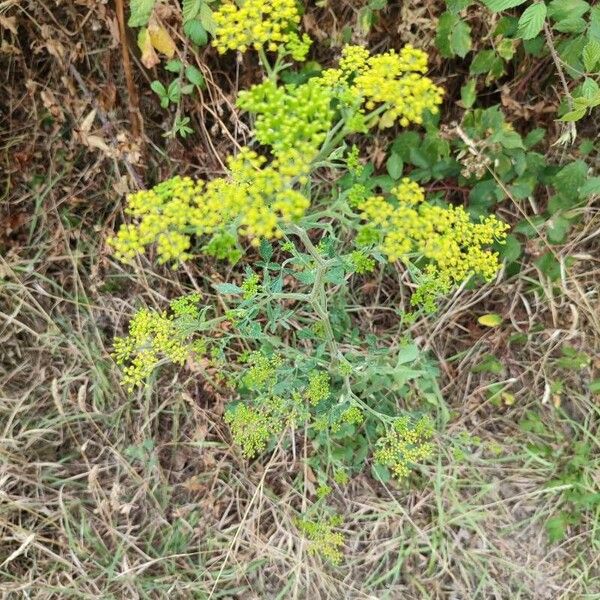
574,462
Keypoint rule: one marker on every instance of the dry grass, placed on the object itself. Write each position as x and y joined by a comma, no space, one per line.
116,496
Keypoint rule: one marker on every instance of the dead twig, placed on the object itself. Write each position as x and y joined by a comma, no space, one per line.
134,104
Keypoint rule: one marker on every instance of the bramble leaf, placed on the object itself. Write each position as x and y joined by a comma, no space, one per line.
532,21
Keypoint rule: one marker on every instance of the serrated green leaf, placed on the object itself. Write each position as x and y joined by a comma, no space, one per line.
190,9
591,55
498,5
531,21
559,10
380,472
173,66
158,88
394,166
453,36
194,75
445,24
266,250
548,265
589,89
140,12
207,19
591,187
196,32
228,288
511,249
460,39
570,179
506,49
455,6
558,228
594,30
483,62
571,25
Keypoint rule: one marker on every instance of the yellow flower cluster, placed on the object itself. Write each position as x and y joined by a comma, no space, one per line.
154,334
406,444
256,24
324,540
393,79
262,373
318,387
252,428
454,245
293,120
250,202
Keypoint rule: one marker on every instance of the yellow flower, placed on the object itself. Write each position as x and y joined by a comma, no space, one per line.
454,246
258,23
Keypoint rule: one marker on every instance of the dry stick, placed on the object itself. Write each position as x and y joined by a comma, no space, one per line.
561,75
134,104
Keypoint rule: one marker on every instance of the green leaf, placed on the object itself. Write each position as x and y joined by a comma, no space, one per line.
559,10
194,75
571,25
573,115
483,62
455,6
558,228
591,187
570,179
590,90
534,137
187,89
506,49
445,24
228,288
196,32
488,364
460,39
158,88
266,250
594,30
508,138
498,5
532,21
549,266
174,91
140,12
380,473
591,55
511,249
395,166
207,19
453,36
468,93
190,9
173,66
